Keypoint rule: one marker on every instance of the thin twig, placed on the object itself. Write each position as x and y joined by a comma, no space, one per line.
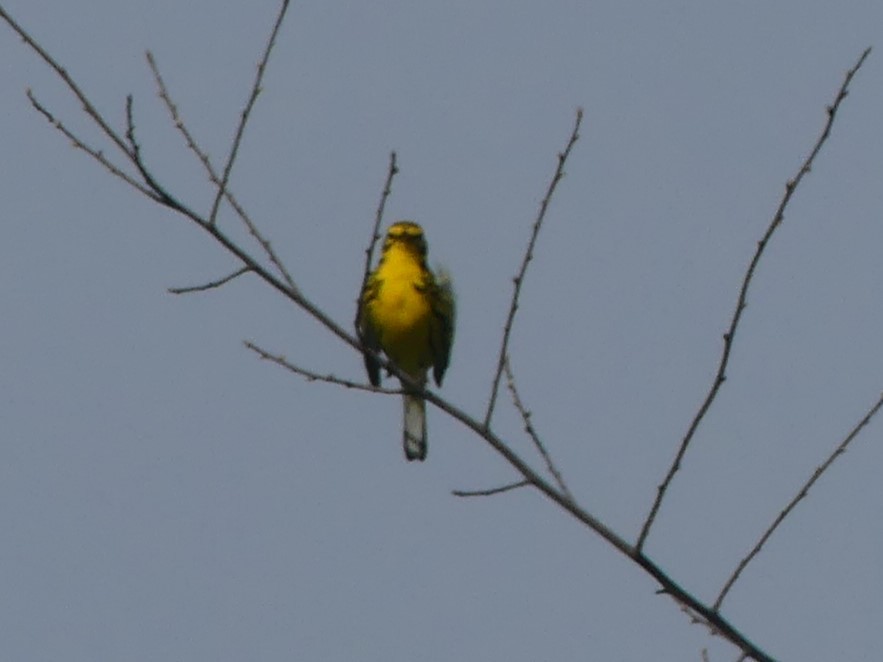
153,190
134,147
178,121
528,256
741,302
311,376
264,243
210,285
159,195
88,108
841,448
531,431
695,619
96,154
246,112
494,490
391,172
165,198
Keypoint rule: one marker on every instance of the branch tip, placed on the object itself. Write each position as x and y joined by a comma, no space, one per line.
801,494
774,224
528,256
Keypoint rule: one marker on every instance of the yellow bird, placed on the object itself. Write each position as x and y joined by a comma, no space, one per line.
408,313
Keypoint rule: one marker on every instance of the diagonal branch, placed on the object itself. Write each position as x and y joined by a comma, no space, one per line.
741,302
246,113
156,192
96,154
314,376
172,107
528,256
716,621
531,431
213,175
821,469
88,107
153,189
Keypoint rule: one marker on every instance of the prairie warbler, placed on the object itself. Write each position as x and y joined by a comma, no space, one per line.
408,313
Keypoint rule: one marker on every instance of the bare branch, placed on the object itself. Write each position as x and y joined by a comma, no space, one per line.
203,157
528,256
158,193
391,172
96,154
741,302
246,112
494,490
179,122
163,196
841,448
63,74
316,377
531,431
669,586
264,243
210,285
134,147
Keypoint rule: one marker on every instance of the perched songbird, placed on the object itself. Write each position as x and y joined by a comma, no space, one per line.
408,313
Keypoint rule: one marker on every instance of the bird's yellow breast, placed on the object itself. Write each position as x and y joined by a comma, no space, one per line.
400,312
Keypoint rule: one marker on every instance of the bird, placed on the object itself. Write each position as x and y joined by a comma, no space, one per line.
407,312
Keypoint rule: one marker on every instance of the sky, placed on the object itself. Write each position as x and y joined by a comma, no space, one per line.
166,495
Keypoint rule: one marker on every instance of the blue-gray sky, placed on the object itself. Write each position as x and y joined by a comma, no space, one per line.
164,495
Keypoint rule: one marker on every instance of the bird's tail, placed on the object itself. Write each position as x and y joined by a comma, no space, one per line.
414,427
